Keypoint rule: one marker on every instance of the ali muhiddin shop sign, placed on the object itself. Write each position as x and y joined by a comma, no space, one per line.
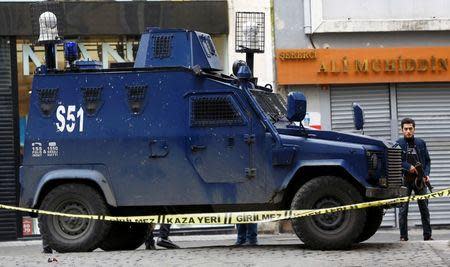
363,65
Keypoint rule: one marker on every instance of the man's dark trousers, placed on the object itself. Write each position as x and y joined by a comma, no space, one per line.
247,233
424,213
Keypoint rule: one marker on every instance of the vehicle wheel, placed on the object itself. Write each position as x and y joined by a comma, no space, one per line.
65,234
125,236
374,217
328,231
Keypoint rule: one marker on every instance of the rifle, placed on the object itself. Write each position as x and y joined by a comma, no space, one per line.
419,179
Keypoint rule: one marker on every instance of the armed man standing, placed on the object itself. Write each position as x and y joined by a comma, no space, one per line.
416,170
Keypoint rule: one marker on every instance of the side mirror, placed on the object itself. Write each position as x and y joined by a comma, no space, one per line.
296,106
358,116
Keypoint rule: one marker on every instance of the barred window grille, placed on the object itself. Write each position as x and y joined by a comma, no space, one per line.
47,100
92,99
47,95
136,97
162,46
214,111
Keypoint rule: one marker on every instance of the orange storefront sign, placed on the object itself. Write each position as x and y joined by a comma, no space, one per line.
363,65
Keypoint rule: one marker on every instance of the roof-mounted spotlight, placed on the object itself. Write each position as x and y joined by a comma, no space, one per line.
46,24
48,36
48,28
250,34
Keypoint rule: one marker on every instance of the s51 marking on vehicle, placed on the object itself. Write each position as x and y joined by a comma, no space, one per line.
69,118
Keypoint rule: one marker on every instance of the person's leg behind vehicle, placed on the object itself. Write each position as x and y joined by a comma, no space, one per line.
46,247
424,214
403,216
163,239
149,241
241,234
252,234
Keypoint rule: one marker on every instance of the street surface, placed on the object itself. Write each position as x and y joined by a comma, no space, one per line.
383,249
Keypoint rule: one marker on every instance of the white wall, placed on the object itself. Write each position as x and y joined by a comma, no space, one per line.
221,44
386,9
264,63
377,15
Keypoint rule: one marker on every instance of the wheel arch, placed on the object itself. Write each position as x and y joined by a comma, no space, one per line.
92,178
307,173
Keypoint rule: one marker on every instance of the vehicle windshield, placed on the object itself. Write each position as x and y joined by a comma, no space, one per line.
273,104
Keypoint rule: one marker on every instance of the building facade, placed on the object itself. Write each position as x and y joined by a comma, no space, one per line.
392,57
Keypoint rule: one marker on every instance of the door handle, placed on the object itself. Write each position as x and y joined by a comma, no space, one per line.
195,148
158,148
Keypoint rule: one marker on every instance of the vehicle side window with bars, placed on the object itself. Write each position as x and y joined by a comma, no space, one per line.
162,46
215,110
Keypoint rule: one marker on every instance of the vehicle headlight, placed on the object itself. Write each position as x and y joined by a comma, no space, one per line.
372,160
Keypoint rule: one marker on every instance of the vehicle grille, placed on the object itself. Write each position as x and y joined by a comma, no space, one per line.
394,168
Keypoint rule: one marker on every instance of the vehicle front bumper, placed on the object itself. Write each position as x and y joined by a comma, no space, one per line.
384,193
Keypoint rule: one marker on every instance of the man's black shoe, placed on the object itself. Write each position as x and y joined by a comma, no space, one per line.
428,238
47,250
403,239
166,243
253,243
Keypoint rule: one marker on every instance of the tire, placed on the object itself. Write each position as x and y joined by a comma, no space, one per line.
329,231
65,234
125,236
374,217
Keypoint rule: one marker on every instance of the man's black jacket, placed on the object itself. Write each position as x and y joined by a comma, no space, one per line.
422,151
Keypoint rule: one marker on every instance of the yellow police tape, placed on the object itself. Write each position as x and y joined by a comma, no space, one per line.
235,217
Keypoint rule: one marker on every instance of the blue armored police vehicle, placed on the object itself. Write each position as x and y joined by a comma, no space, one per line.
170,134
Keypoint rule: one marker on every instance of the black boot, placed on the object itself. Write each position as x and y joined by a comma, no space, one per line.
166,243
47,250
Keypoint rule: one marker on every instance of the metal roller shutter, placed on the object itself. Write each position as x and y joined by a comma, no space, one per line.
8,182
375,101
429,106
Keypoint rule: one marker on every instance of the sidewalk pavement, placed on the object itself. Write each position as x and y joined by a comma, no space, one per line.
382,236
383,249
